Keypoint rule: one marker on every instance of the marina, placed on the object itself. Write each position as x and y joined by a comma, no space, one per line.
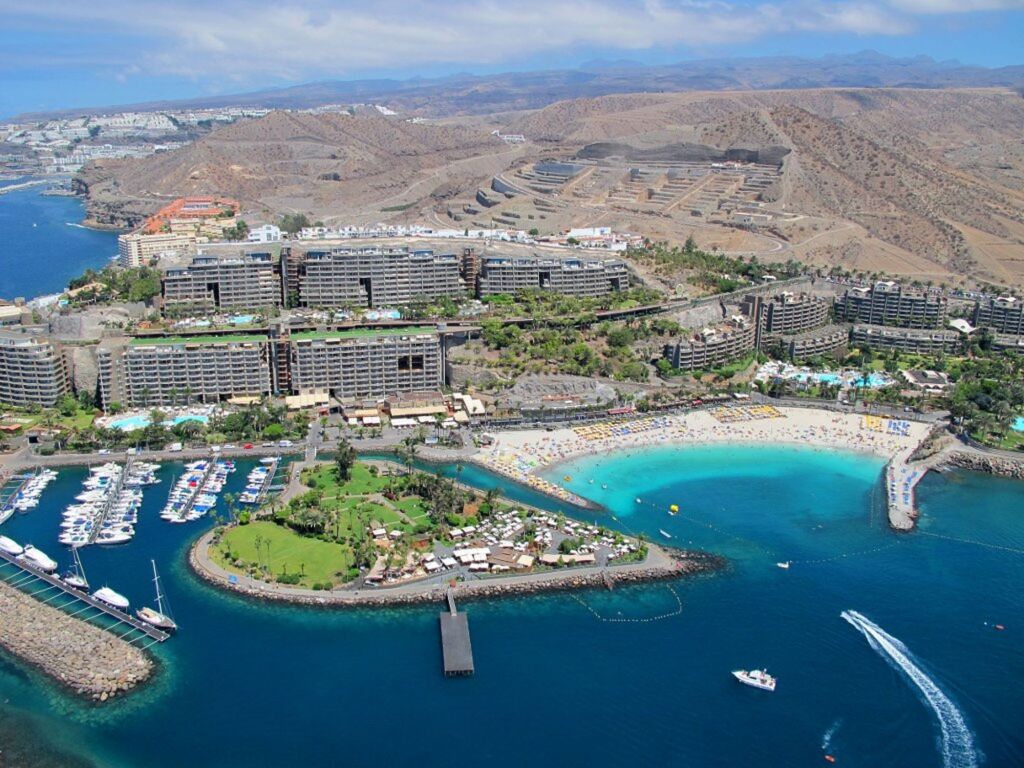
24,492
260,481
195,492
107,508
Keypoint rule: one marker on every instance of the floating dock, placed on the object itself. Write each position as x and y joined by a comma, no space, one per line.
51,590
455,643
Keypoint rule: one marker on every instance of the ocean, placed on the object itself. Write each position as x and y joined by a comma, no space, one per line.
916,675
47,244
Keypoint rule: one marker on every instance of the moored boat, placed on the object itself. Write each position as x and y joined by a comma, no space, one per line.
159,617
111,598
38,559
10,546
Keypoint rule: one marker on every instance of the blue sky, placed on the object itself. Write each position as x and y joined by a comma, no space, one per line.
59,54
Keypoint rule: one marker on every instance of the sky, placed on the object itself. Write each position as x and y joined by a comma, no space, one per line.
57,54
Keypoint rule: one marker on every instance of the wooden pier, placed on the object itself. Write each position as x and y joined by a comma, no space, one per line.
51,590
455,644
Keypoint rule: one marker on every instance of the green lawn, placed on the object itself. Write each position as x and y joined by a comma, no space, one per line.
289,552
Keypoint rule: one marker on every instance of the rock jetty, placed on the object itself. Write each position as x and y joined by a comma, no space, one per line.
1002,466
84,658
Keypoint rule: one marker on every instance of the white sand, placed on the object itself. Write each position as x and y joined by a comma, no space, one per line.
522,454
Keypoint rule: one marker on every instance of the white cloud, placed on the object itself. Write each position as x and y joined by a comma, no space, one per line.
293,39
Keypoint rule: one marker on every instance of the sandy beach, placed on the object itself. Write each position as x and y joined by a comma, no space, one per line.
522,455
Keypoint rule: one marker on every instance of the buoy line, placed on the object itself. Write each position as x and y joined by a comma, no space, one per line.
713,527
647,620
1014,550
846,554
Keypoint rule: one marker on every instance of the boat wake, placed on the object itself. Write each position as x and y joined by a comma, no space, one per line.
826,740
73,224
957,742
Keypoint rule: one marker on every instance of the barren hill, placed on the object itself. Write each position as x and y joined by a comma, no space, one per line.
921,183
287,161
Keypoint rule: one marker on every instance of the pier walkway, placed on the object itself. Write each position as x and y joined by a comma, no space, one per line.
455,644
109,503
50,590
211,465
901,479
9,492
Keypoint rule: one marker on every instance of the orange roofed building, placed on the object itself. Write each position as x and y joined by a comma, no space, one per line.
196,207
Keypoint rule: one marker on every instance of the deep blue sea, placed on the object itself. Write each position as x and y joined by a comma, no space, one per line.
246,684
46,244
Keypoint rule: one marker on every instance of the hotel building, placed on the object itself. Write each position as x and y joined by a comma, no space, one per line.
581,277
713,347
1004,314
917,340
887,303
33,370
137,249
373,276
249,280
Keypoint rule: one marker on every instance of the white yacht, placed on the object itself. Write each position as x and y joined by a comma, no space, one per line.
756,678
111,598
38,559
10,546
76,576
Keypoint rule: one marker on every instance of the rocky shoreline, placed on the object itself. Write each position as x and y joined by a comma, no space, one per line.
83,658
994,465
676,564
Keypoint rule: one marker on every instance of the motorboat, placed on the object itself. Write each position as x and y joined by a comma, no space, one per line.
110,597
784,565
38,559
157,618
665,533
10,546
755,678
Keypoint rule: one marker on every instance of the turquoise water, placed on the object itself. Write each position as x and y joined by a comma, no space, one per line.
139,421
241,319
1018,424
245,684
46,244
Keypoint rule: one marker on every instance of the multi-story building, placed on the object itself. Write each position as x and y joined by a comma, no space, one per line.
366,363
887,303
137,249
1007,342
827,340
1004,314
713,347
923,341
373,276
572,276
248,280
33,370
786,312
158,371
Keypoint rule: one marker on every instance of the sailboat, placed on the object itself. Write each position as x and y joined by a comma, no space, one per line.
76,576
157,618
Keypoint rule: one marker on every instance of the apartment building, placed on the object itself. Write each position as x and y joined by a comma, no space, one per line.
786,312
159,371
366,363
247,280
33,370
373,276
818,342
1004,314
138,249
925,341
581,277
888,303
713,347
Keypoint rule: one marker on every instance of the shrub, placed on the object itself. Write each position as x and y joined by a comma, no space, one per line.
288,578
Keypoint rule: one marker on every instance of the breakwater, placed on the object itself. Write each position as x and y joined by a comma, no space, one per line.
661,564
1002,466
84,658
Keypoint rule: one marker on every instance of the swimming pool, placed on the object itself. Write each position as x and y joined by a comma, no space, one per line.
141,421
241,319
874,380
1018,424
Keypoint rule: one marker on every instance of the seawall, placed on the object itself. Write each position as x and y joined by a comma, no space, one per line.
1002,466
84,658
